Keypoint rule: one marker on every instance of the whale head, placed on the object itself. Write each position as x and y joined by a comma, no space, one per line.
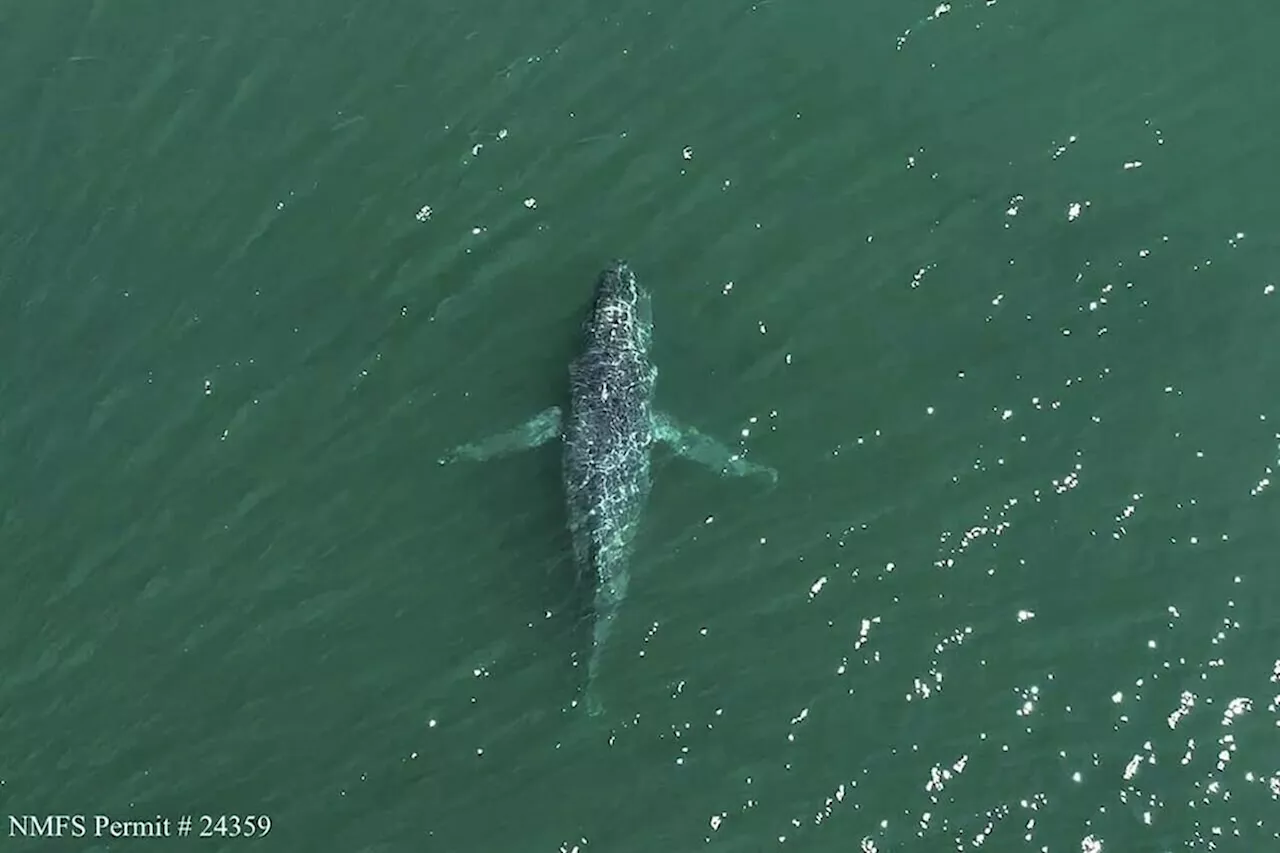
622,307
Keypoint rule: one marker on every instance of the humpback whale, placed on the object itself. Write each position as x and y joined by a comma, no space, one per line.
608,434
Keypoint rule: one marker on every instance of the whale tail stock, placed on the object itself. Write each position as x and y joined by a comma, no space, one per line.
599,635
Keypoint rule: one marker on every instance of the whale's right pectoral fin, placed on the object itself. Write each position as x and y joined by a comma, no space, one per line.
688,442
535,432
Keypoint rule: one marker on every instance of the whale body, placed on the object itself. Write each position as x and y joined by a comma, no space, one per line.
608,435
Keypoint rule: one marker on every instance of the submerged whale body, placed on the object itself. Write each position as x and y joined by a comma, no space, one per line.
608,434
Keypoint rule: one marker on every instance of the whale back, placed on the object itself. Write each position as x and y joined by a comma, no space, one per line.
608,432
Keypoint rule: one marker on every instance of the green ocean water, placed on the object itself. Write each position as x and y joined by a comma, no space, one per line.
993,285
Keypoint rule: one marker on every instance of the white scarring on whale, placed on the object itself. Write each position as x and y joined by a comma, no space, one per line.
608,436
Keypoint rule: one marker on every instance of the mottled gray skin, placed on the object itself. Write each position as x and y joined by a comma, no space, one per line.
608,435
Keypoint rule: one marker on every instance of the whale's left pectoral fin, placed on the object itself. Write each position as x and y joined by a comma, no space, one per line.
688,442
535,432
